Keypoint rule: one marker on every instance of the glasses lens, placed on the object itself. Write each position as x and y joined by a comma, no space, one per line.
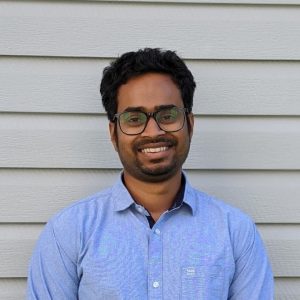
170,119
132,122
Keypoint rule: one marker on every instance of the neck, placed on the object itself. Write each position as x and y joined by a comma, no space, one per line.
156,197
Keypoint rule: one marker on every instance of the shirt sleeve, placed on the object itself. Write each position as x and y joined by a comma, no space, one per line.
253,277
52,272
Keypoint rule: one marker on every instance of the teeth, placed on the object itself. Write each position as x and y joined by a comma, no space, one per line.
154,150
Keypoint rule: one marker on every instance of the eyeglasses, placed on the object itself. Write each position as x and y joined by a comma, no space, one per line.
169,119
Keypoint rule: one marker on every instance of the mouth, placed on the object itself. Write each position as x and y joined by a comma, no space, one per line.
154,150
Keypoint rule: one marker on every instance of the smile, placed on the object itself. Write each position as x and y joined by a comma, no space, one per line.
154,150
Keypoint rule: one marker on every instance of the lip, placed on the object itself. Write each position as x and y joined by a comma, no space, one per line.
154,150
163,146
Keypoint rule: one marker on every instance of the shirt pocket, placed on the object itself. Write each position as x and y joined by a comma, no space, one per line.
203,282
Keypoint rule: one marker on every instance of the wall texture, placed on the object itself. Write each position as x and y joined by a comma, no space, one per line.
54,143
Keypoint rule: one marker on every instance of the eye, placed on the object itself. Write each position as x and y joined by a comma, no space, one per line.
168,115
133,118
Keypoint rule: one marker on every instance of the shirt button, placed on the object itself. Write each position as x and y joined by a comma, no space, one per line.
157,231
139,208
155,284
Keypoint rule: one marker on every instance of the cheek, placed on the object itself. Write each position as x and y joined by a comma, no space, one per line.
123,143
185,138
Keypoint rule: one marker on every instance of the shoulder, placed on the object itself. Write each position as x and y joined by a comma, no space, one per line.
236,224
214,208
79,218
82,213
218,208
88,206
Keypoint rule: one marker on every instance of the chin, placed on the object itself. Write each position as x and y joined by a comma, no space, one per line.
158,174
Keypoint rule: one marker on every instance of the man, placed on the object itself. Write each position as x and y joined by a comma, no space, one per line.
150,236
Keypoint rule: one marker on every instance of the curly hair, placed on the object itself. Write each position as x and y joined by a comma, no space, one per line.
133,64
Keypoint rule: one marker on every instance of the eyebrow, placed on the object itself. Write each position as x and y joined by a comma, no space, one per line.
133,108
141,108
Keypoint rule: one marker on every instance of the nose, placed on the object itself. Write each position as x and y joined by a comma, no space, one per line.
152,129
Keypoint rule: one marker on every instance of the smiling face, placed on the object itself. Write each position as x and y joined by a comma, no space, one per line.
153,155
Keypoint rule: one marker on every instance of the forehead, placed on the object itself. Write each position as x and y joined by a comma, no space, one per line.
149,91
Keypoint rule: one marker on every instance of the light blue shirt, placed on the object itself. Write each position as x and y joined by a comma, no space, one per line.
103,248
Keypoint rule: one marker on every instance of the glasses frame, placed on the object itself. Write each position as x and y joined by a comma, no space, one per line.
152,115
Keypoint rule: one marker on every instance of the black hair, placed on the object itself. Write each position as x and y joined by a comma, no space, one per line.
133,64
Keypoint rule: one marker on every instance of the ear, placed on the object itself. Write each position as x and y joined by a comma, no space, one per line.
113,134
190,120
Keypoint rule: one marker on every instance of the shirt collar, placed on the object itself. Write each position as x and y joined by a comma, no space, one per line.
120,195
189,196
123,200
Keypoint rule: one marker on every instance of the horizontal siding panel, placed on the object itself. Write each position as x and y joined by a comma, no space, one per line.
256,193
70,85
282,244
60,141
102,29
41,193
287,288
17,242
14,288
16,245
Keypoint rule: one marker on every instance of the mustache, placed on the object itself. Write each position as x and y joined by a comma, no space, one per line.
140,143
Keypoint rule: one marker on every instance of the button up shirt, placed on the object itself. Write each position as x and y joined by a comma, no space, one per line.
103,248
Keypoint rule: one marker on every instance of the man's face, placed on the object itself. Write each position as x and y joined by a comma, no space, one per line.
154,155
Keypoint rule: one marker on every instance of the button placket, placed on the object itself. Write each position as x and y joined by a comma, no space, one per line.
155,265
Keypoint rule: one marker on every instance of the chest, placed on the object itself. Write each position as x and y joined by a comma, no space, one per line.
179,260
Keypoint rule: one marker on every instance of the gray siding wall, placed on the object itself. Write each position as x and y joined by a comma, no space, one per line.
55,146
